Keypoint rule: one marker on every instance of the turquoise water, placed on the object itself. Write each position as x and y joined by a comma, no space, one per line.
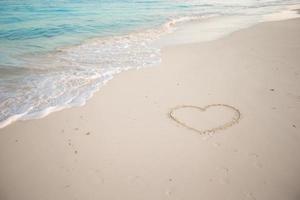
35,26
55,54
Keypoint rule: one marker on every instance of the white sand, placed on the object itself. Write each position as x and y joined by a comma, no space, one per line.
123,146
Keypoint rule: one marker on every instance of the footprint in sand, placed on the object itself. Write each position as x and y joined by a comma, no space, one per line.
256,161
207,119
224,177
250,196
169,192
67,186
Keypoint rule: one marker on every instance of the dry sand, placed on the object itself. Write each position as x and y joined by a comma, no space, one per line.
124,146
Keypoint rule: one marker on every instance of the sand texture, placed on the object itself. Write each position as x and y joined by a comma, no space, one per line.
124,145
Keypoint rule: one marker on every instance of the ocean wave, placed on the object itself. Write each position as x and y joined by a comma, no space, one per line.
69,76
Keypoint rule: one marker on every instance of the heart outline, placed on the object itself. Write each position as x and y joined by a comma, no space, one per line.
232,122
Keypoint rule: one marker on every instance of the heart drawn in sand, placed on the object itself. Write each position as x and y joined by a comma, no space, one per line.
205,120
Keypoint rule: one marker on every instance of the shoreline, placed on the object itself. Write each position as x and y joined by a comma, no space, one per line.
134,148
191,28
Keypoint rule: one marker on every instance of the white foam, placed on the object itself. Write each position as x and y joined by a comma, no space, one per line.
215,27
206,29
71,75
289,12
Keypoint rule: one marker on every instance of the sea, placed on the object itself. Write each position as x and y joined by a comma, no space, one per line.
56,54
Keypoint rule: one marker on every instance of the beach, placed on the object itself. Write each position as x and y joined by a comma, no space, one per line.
123,144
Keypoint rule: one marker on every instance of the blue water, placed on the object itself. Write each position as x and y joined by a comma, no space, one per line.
35,26
55,54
